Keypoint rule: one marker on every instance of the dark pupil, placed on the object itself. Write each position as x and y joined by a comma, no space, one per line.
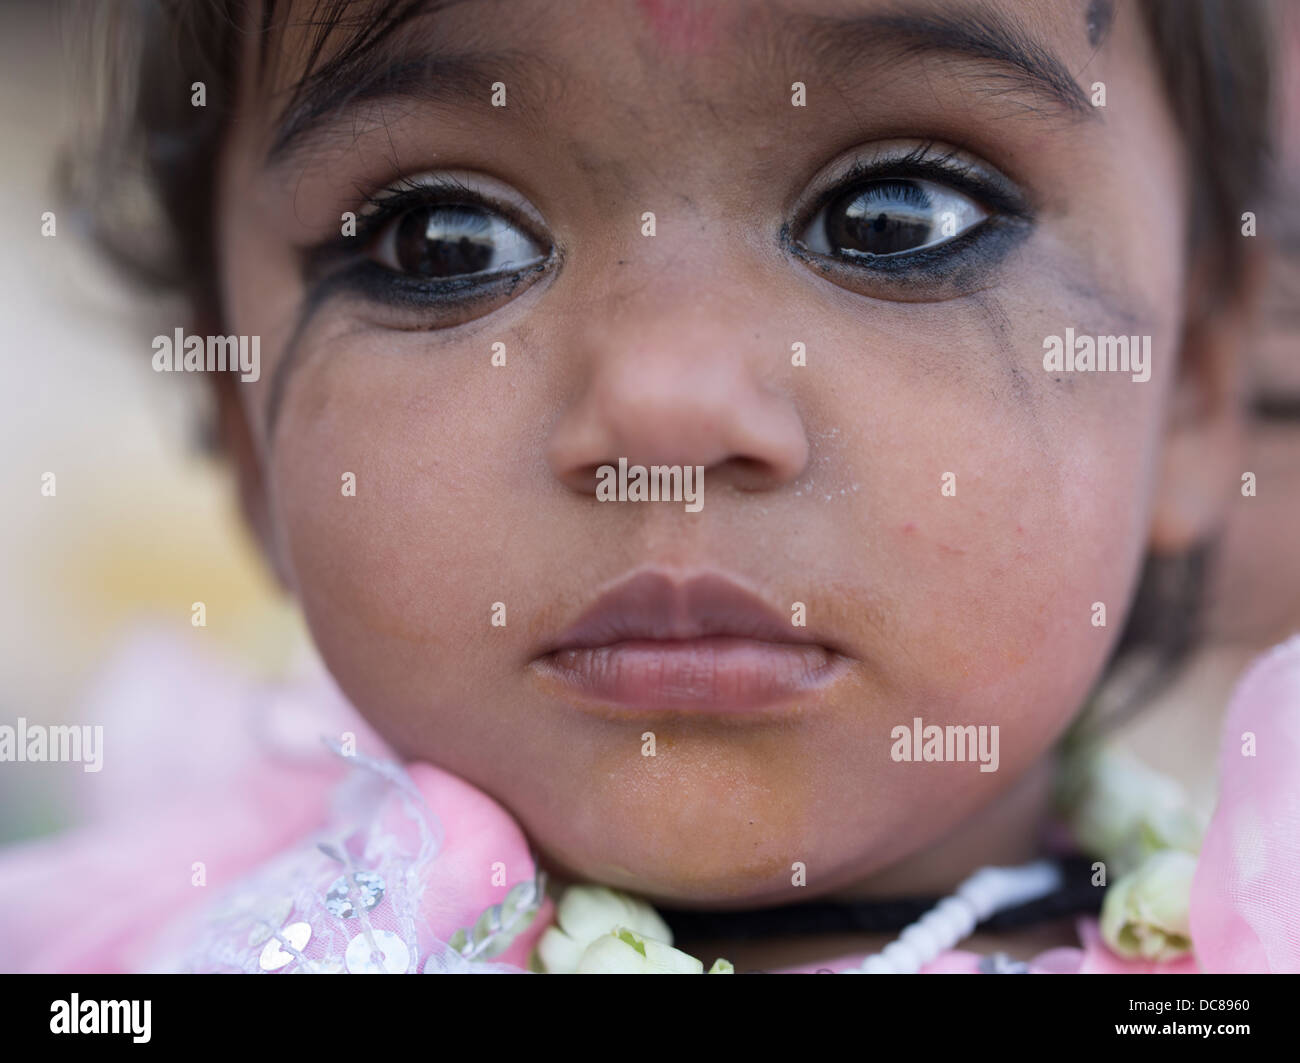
883,218
445,241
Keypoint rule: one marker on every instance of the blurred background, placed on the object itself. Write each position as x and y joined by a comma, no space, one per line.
143,525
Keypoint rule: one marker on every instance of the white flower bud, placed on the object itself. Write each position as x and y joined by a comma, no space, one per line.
624,952
586,913
1126,811
1145,913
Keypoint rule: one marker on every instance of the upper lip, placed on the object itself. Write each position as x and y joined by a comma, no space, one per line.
653,605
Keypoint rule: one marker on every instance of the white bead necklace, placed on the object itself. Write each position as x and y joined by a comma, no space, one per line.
987,892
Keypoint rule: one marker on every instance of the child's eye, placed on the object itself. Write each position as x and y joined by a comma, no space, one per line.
445,240
435,251
890,217
921,224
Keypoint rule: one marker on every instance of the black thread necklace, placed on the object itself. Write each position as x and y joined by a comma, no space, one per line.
1076,896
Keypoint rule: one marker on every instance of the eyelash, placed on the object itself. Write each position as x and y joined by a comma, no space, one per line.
1010,216
437,190
342,262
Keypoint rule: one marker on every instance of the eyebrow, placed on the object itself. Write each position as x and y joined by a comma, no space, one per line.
433,79
382,63
442,81
978,33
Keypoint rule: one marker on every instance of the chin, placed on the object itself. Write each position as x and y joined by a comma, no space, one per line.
731,867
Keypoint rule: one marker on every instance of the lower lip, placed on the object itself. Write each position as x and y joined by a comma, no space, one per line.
721,675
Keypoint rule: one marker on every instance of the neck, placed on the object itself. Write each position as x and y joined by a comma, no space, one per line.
1008,831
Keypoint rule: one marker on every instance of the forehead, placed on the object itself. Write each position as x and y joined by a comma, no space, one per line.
318,58
701,27
681,26
671,24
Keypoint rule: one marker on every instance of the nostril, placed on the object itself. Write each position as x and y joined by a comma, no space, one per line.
743,473
749,474
750,468
586,478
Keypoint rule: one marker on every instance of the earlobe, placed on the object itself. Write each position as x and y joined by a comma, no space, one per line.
1202,445
1196,478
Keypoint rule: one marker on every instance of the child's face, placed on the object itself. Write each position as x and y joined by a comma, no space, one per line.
824,483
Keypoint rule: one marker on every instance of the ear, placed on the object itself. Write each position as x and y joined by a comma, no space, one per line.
1202,444
236,441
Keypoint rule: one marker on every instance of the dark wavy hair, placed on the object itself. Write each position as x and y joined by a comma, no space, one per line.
144,185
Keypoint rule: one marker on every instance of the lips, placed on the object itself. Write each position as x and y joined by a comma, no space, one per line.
704,644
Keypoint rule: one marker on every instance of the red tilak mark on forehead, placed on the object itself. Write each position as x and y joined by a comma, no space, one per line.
679,25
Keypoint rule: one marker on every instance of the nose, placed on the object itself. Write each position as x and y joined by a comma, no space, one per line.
675,382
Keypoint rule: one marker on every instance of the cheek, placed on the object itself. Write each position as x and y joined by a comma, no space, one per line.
421,429
999,504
